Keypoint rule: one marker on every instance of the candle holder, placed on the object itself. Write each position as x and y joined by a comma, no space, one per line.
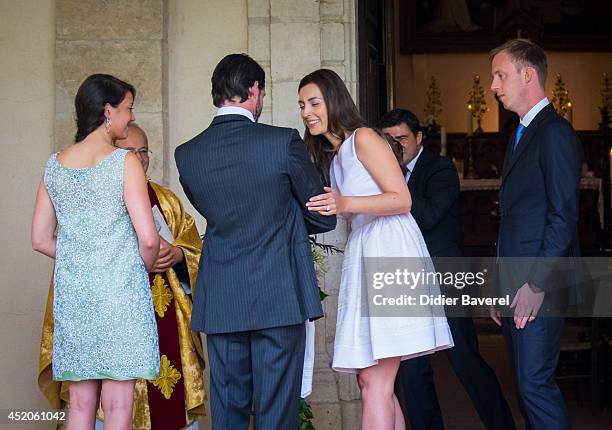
561,100
443,148
469,172
477,104
433,109
470,120
606,98
606,180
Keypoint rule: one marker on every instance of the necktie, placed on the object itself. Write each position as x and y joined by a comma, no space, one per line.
519,133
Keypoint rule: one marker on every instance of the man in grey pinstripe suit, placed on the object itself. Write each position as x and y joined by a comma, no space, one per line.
256,284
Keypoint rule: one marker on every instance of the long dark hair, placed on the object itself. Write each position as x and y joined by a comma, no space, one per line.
342,117
92,96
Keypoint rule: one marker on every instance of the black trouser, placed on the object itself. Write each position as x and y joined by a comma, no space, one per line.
478,379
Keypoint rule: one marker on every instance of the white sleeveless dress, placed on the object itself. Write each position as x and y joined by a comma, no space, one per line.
362,340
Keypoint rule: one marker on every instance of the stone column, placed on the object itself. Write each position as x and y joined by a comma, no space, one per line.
338,52
259,47
120,38
295,51
291,38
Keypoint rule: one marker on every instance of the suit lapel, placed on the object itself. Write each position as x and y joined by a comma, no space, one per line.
525,141
508,154
419,166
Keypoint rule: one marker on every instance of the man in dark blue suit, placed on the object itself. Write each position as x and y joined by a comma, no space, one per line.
256,286
434,187
539,215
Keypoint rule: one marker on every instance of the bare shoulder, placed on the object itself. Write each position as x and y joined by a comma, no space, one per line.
131,160
368,140
363,135
67,153
133,168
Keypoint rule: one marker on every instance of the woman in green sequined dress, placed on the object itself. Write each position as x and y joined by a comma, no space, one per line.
105,335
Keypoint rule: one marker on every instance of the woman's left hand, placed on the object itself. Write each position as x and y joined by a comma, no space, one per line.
329,203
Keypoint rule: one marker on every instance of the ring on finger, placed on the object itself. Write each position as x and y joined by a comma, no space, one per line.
328,208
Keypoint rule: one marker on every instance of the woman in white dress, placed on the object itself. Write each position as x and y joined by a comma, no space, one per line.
367,187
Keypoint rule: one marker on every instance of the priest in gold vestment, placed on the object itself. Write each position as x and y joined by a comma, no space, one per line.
176,399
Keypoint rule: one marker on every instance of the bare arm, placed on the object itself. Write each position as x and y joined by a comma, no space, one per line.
44,223
379,160
139,207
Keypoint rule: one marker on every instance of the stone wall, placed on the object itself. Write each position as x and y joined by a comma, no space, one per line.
291,38
198,38
120,38
26,120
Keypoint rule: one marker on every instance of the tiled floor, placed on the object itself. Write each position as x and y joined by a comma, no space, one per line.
460,414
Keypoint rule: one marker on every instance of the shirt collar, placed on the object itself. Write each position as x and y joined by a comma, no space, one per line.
412,163
529,116
235,110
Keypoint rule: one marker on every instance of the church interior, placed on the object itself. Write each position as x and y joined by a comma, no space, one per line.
431,57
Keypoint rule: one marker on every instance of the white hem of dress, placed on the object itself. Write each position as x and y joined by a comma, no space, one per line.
353,359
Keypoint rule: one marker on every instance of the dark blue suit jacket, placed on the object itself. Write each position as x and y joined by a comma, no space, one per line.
251,182
539,198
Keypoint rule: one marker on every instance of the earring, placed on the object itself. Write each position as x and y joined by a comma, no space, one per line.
107,124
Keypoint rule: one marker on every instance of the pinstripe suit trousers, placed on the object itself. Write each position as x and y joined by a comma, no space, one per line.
260,369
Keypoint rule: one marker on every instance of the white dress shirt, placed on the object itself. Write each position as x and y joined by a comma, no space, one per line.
235,110
529,116
411,164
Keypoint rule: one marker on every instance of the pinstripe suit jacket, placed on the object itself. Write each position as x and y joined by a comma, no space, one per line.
251,182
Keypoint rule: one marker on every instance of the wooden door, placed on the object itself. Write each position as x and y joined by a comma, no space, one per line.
373,32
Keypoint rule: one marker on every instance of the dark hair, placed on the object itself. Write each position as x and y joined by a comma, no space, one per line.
342,117
399,116
92,96
522,52
233,77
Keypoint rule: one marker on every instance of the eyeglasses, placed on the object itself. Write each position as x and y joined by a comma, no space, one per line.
142,151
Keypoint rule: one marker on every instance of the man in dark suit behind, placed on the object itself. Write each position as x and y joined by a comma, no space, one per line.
539,215
256,286
434,188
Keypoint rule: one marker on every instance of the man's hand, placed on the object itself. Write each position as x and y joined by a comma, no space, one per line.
168,256
495,315
527,305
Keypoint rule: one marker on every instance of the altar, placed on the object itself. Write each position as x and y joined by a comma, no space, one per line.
480,214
